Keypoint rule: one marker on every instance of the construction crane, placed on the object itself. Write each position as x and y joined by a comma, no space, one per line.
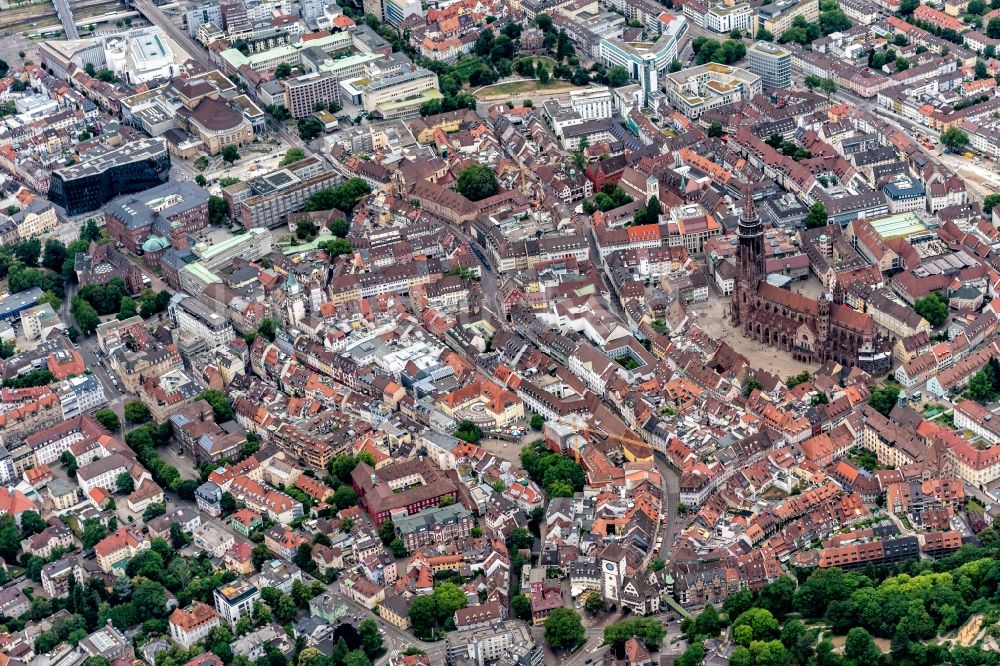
620,438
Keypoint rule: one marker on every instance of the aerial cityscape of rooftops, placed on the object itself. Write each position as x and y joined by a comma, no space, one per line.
499,332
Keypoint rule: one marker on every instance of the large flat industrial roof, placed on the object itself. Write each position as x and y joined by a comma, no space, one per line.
903,224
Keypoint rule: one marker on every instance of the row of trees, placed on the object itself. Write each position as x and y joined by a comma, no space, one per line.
985,384
343,197
910,604
710,50
805,32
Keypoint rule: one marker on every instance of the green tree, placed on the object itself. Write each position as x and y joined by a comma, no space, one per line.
715,130
136,412
387,531
859,647
761,622
127,309
884,398
154,510
563,630
217,209
306,229
817,216
708,624
149,599
993,28
477,182
344,497
230,153
990,201
398,548
124,483
594,605
93,531
108,419
740,657
371,639
954,139
617,76
219,401
519,539
933,308
54,255
423,616
694,655
69,462
343,197
357,658
468,431
777,597
981,385
32,523
520,606
310,128
292,155
283,70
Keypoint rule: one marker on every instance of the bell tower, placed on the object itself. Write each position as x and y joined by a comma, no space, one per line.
750,270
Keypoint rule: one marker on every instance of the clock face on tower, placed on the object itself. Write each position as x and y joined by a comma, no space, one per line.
610,566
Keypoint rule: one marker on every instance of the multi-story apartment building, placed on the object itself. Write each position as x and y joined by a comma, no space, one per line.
202,14
18,424
695,90
103,473
56,576
115,550
726,18
303,93
190,625
79,395
236,599
592,103
192,318
778,15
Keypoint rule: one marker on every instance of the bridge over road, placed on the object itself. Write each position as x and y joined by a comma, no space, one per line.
66,18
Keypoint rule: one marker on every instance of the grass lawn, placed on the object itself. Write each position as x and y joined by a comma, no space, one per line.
545,60
504,90
467,66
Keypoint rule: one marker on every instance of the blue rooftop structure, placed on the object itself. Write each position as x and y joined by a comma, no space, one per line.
17,303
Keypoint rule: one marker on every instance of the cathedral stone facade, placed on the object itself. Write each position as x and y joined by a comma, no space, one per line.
811,331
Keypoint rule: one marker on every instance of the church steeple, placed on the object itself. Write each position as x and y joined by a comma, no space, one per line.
750,267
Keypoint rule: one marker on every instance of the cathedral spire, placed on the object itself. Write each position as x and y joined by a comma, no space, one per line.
749,213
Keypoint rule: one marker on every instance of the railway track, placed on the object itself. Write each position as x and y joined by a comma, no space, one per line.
94,9
23,17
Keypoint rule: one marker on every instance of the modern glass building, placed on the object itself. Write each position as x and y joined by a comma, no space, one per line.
646,62
772,63
87,186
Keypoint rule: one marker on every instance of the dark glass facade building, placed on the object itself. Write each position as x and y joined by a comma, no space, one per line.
87,186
